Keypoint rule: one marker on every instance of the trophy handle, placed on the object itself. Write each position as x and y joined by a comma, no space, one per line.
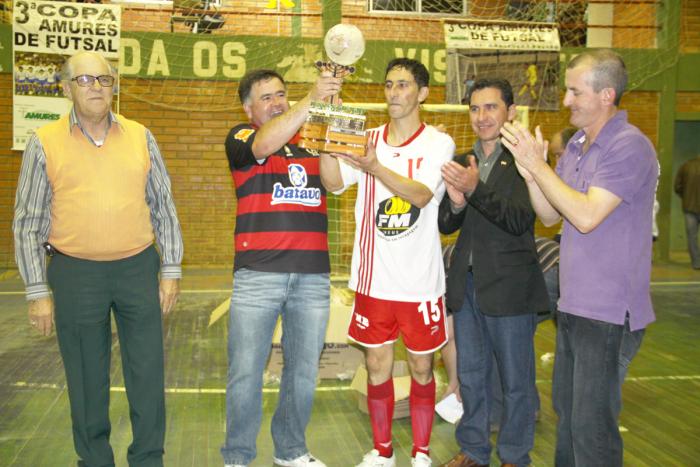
339,71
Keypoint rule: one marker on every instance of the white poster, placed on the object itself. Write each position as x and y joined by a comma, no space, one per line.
525,54
501,35
44,34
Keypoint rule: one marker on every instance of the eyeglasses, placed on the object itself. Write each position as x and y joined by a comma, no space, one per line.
88,80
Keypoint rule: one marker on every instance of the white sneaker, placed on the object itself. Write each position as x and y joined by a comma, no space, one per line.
373,459
421,460
307,460
235,465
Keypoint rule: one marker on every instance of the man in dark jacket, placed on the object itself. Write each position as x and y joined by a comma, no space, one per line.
495,285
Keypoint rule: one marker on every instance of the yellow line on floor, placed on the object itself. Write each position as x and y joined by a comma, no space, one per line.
187,291
9,274
673,283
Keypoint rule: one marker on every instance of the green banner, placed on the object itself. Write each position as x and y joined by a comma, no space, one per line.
202,56
215,57
5,48
198,56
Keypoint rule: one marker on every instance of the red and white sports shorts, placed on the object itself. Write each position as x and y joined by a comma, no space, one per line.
376,322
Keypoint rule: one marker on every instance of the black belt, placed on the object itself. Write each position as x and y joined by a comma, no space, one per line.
469,268
51,250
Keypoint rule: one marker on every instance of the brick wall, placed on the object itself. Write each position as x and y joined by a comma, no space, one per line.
412,28
688,102
690,26
242,17
9,170
192,145
636,25
192,142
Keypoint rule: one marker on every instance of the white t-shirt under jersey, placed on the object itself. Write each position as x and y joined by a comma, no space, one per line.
397,253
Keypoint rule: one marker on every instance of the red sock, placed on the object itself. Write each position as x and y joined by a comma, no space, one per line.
380,402
422,405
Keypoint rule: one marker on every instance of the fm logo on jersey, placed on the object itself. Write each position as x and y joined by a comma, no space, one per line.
298,193
396,216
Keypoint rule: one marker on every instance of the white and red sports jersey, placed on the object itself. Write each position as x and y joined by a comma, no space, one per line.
397,253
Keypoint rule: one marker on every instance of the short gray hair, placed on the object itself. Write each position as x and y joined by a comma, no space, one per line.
607,70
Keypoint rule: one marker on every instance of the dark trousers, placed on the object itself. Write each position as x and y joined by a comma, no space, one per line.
84,292
590,365
692,221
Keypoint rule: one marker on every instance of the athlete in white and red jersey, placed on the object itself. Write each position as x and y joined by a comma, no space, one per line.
397,269
397,254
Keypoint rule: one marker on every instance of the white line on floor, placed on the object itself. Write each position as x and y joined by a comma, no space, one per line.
23,384
209,291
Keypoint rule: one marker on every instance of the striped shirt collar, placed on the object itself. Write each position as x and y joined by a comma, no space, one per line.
74,121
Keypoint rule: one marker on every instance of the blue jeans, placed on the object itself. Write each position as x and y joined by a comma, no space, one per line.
551,280
258,299
478,338
590,365
692,220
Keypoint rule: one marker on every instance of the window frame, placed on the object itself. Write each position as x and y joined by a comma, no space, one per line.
214,3
418,11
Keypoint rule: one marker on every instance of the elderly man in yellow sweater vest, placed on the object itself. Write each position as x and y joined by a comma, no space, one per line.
93,194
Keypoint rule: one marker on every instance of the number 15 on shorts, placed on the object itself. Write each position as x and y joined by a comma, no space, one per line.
431,312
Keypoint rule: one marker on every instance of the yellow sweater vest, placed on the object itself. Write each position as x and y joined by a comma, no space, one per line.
98,210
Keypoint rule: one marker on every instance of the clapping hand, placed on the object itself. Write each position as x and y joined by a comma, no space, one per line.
529,151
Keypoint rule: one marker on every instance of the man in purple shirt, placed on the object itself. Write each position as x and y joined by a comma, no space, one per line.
604,189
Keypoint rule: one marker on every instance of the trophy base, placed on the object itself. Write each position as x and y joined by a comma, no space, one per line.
326,138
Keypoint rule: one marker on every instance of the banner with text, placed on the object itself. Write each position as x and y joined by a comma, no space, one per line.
44,33
501,35
526,54
183,56
217,57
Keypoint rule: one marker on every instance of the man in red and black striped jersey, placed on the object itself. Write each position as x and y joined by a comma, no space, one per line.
281,268
397,269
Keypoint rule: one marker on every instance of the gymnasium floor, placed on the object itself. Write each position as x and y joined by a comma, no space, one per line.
660,418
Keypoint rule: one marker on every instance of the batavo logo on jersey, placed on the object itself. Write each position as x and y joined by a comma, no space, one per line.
298,193
396,216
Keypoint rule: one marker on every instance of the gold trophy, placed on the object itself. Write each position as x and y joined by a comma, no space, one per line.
331,127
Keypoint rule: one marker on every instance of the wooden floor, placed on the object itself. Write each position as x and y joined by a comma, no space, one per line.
661,414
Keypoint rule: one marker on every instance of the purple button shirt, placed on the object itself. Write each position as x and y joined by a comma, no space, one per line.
605,274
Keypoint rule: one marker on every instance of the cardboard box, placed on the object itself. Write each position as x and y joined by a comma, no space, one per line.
339,357
338,361
402,388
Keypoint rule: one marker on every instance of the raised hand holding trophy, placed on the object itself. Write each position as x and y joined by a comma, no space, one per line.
331,127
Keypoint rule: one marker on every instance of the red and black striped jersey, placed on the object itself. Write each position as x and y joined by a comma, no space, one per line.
281,222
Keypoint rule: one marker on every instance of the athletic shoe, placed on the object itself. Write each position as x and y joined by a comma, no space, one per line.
421,460
373,459
307,460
